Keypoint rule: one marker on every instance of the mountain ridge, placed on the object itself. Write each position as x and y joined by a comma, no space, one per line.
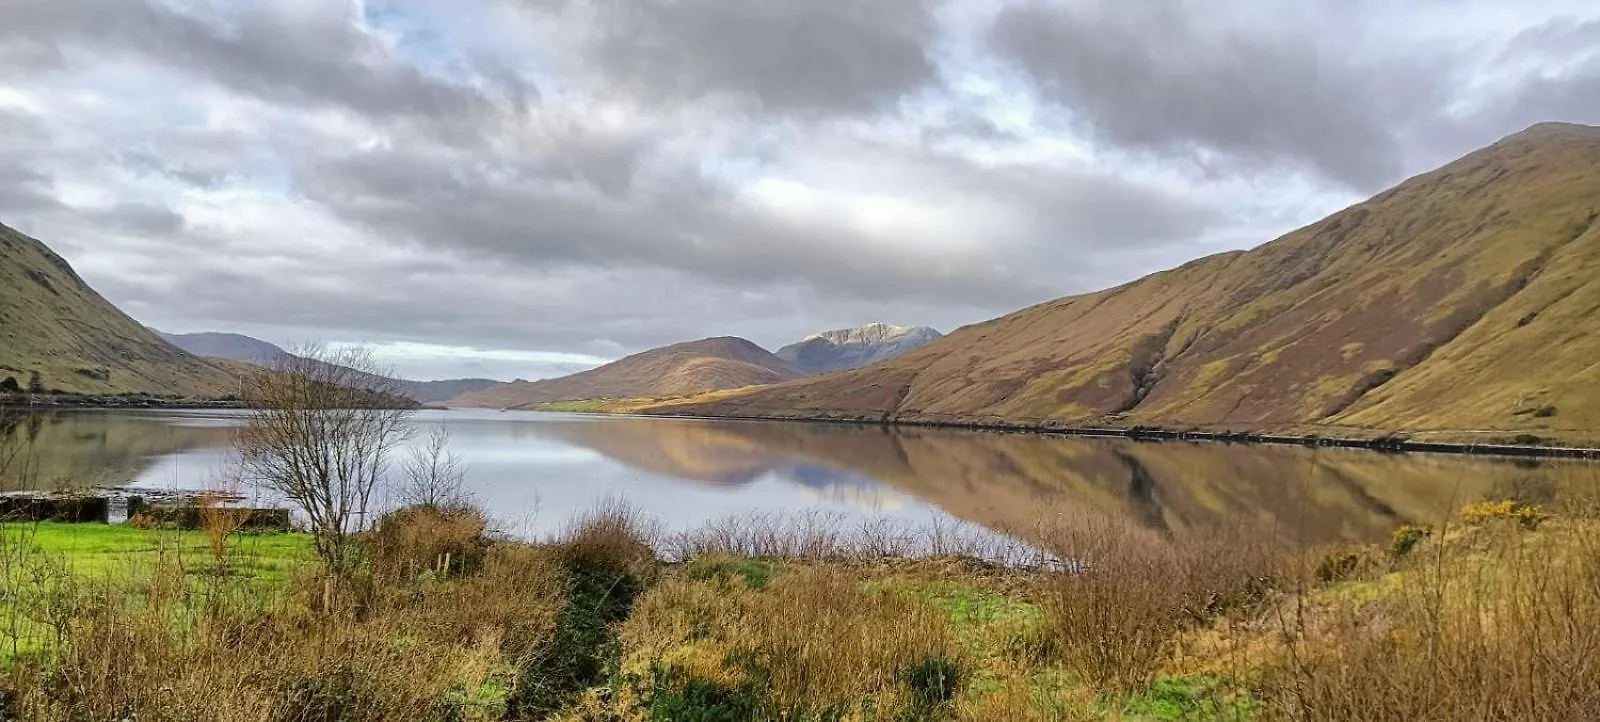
681,369
1457,300
249,350
850,348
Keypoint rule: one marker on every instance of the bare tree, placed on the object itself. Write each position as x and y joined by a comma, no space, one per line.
321,428
433,476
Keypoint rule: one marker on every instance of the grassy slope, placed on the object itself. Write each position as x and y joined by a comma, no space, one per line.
1466,298
685,368
53,323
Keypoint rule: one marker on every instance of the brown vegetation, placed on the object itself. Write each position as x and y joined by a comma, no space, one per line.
1483,620
1463,299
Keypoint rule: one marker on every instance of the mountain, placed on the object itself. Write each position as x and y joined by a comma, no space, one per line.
677,370
235,347
855,347
1465,300
58,330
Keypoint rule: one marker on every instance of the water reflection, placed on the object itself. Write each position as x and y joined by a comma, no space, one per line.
539,469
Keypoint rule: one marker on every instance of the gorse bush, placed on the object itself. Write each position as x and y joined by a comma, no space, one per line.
1406,539
1486,511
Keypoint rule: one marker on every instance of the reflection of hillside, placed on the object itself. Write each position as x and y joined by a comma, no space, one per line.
1010,480
78,449
691,451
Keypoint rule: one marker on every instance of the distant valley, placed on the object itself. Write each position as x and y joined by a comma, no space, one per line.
244,349
708,365
676,370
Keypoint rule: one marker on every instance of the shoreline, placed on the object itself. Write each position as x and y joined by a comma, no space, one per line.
47,402
1394,442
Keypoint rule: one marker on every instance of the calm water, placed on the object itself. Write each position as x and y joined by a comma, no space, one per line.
535,471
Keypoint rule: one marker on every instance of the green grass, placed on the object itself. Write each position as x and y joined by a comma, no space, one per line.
40,557
95,549
1188,698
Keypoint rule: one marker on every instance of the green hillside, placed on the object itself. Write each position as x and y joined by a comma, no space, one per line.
57,333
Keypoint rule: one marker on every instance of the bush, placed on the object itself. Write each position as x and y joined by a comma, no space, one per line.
1114,618
445,542
934,681
1406,538
1529,517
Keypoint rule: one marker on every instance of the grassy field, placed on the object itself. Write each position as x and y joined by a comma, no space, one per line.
1488,616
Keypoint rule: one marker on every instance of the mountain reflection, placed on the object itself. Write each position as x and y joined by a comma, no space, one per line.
688,470
1012,480
88,449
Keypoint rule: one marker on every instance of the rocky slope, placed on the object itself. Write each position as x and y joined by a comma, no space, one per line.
244,349
855,347
1464,299
57,333
677,370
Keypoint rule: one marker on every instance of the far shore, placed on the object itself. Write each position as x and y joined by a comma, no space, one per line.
1495,443
45,401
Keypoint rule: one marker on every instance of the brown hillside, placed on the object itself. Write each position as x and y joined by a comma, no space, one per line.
677,370
1464,299
55,326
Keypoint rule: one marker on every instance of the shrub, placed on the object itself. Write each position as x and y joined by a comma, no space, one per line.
447,542
1406,538
1113,619
933,681
1529,517
1338,565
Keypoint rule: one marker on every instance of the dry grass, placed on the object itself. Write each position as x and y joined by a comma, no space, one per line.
1492,620
813,644
1116,620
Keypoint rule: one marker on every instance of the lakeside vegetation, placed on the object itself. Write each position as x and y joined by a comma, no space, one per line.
439,617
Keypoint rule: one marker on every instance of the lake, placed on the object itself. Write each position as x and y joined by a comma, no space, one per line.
535,471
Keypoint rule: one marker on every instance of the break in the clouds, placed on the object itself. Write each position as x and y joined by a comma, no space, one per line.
522,187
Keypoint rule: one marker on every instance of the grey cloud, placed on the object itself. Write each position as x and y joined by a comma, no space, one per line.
792,56
24,187
139,218
1145,75
279,51
527,210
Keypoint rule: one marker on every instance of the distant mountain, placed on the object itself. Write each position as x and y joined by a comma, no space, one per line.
1463,300
855,347
57,333
686,368
236,347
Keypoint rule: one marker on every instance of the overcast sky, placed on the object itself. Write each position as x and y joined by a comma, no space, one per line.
523,187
